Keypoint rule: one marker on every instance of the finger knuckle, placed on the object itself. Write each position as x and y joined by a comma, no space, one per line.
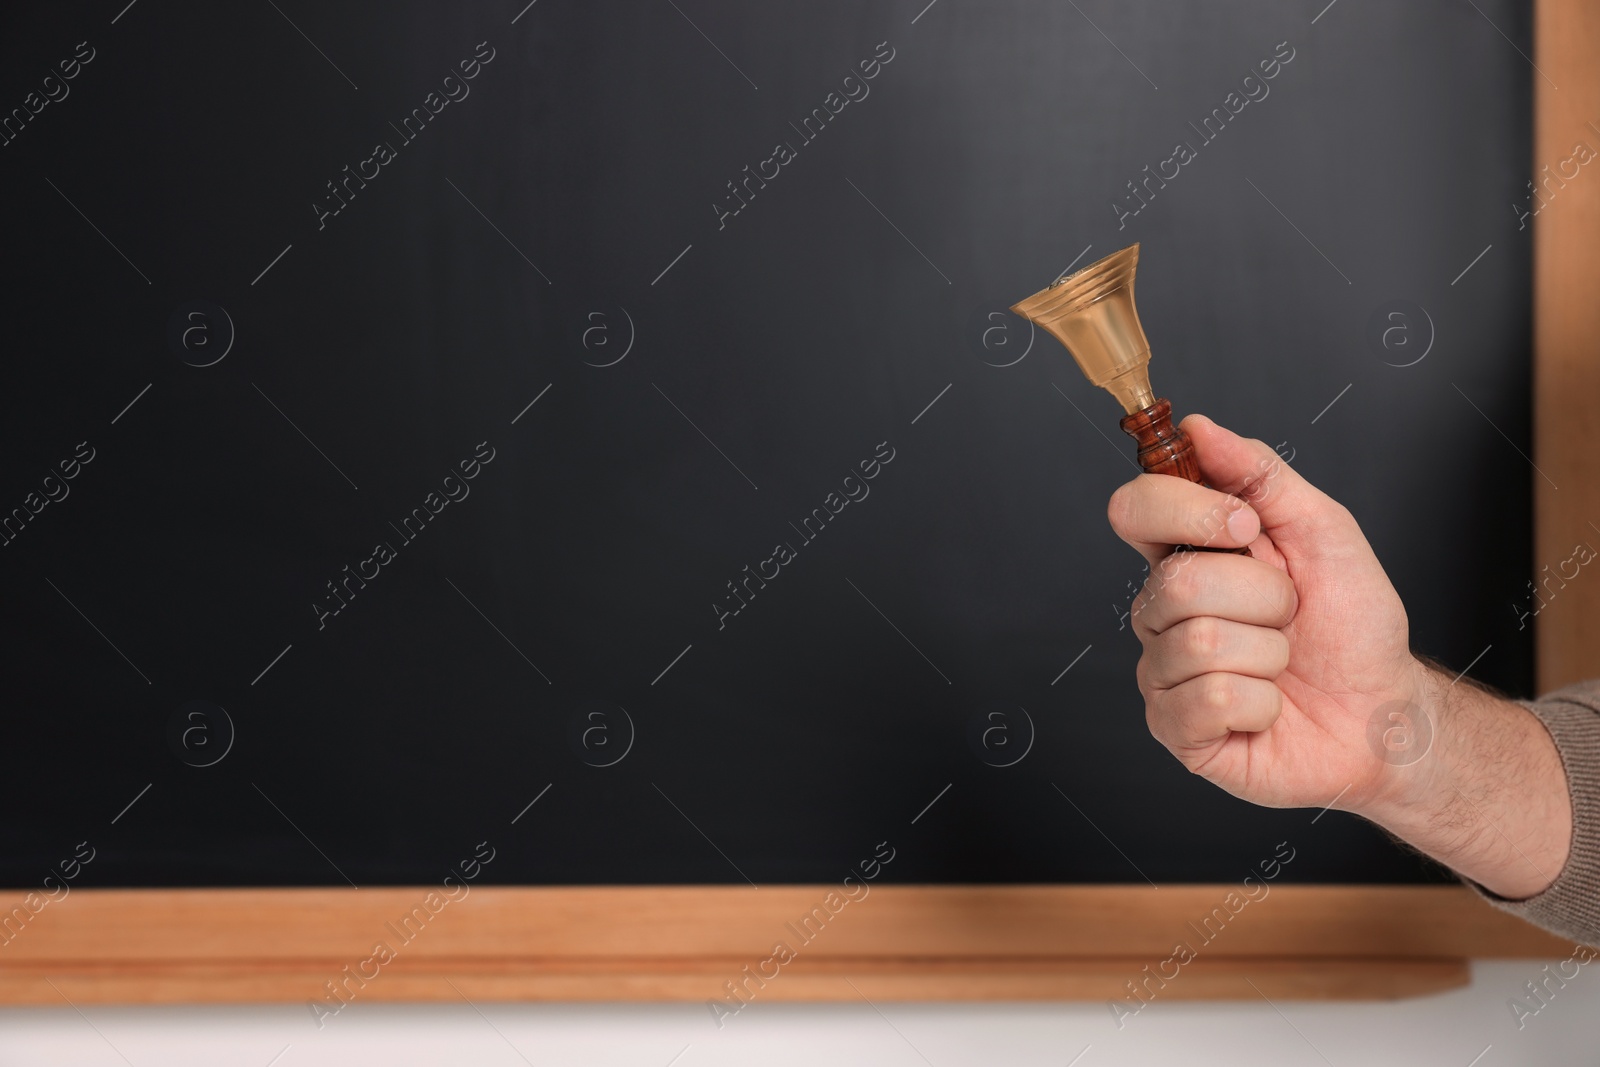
1217,692
1184,583
1202,638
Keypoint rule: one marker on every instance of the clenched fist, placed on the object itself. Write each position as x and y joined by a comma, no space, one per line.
1264,673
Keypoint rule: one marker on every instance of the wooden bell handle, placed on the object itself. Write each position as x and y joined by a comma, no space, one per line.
1165,449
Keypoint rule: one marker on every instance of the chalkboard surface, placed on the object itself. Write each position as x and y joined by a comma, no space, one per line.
593,430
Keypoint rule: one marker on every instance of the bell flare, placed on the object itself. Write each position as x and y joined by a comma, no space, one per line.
1092,313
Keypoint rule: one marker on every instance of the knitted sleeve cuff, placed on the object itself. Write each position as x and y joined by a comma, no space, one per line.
1570,906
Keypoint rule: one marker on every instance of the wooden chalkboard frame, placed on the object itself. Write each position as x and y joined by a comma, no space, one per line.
1028,942
689,942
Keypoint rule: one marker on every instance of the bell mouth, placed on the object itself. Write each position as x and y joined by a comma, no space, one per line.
1085,286
1092,313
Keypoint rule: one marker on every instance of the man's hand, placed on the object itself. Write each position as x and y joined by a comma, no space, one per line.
1284,676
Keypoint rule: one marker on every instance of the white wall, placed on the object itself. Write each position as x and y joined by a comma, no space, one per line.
1450,1030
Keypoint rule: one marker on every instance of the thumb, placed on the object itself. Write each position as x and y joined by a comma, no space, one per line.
1300,518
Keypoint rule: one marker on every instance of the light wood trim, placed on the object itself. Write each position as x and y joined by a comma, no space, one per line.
1566,337
684,942
1219,978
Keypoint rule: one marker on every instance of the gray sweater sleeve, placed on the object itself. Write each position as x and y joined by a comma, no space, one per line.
1570,907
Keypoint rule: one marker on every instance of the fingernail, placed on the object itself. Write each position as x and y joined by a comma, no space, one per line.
1242,525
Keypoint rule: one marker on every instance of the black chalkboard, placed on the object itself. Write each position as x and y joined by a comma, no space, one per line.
396,393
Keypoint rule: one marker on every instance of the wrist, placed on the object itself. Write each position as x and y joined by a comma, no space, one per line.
1408,739
1488,796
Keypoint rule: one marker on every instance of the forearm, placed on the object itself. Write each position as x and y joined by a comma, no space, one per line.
1490,797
